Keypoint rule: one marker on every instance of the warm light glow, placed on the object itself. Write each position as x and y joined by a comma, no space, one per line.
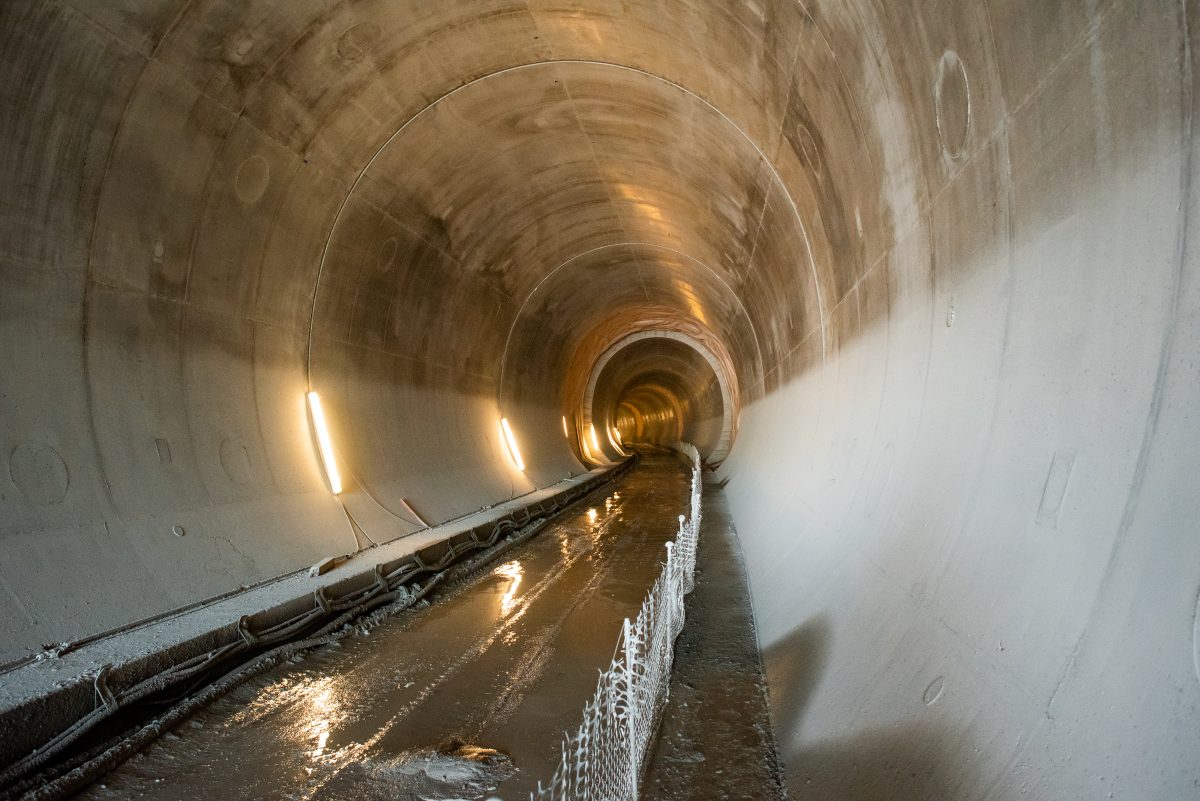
614,439
513,572
591,514
565,432
513,451
595,439
324,443
587,450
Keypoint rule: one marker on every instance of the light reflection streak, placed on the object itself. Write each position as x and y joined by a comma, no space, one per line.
322,738
322,706
513,572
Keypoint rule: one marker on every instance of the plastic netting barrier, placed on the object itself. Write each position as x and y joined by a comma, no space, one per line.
602,760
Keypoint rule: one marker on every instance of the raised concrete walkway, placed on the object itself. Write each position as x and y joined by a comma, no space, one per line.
715,740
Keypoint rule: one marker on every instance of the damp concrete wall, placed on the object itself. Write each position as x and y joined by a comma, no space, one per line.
939,257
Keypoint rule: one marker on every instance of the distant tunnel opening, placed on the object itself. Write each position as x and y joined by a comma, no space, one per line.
660,388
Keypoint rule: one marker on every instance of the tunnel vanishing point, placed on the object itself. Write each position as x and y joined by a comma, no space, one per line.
920,279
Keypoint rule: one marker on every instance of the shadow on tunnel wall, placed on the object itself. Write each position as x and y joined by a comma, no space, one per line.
908,761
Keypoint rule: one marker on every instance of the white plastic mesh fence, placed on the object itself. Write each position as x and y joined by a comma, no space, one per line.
602,760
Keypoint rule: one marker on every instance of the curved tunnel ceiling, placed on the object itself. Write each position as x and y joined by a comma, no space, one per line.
944,252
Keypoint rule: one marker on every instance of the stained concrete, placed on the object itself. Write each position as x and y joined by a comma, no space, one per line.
946,251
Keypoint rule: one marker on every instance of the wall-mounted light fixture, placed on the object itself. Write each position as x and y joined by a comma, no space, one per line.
514,452
565,432
595,441
324,443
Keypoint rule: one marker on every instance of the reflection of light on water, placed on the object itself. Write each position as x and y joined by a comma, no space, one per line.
322,705
513,572
564,542
312,706
596,527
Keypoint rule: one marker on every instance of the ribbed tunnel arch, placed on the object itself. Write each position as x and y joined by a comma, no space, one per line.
942,255
672,378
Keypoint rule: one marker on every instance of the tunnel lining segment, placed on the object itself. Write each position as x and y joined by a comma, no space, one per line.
732,294
726,379
776,178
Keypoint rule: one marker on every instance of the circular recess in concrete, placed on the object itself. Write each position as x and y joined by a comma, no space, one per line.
252,178
238,48
952,104
235,461
39,472
178,531
358,41
387,254
809,151
934,691
158,249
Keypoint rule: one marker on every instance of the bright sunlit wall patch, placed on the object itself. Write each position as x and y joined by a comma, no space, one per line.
514,452
324,443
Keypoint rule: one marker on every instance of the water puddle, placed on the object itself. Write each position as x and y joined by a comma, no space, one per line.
454,771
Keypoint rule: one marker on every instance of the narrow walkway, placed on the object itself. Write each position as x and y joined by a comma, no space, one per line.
715,739
412,708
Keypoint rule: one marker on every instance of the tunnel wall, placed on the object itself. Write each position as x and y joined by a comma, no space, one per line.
947,247
184,256
968,504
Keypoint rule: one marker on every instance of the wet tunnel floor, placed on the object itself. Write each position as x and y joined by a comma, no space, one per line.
504,661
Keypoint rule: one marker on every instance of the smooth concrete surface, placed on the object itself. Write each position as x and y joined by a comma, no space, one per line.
946,250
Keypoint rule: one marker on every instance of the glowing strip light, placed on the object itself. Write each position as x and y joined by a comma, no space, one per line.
324,443
565,433
595,439
513,451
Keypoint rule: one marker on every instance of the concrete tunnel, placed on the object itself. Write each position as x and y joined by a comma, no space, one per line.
918,279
